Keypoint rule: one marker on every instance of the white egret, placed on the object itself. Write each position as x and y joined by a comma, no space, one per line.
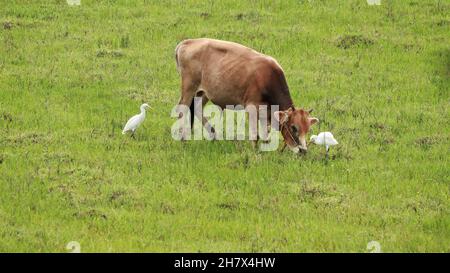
324,138
134,122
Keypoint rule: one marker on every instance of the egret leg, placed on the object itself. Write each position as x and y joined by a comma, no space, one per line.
133,134
327,149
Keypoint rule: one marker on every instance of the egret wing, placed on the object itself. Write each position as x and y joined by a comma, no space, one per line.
330,140
131,124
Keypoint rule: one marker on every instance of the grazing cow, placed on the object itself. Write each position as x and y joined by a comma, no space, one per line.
228,73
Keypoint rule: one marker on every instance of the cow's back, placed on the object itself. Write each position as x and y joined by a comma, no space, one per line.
191,52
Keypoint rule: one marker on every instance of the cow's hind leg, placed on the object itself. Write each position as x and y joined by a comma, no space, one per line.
199,115
188,90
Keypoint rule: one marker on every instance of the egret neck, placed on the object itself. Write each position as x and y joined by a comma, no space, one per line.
143,110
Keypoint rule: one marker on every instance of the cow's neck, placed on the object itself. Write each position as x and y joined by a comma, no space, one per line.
286,106
284,101
282,96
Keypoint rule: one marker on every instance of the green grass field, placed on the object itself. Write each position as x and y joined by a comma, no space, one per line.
70,77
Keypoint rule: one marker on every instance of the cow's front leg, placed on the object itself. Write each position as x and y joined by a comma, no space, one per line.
265,128
253,117
259,123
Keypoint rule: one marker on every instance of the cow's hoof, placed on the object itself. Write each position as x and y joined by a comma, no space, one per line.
212,136
302,152
183,136
254,144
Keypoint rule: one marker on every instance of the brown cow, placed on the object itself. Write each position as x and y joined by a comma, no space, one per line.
228,73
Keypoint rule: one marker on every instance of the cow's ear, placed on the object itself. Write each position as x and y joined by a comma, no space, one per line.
281,116
313,121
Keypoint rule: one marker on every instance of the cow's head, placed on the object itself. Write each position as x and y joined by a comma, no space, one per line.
294,126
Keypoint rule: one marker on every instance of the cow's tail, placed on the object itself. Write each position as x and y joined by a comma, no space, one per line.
177,60
192,108
177,48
